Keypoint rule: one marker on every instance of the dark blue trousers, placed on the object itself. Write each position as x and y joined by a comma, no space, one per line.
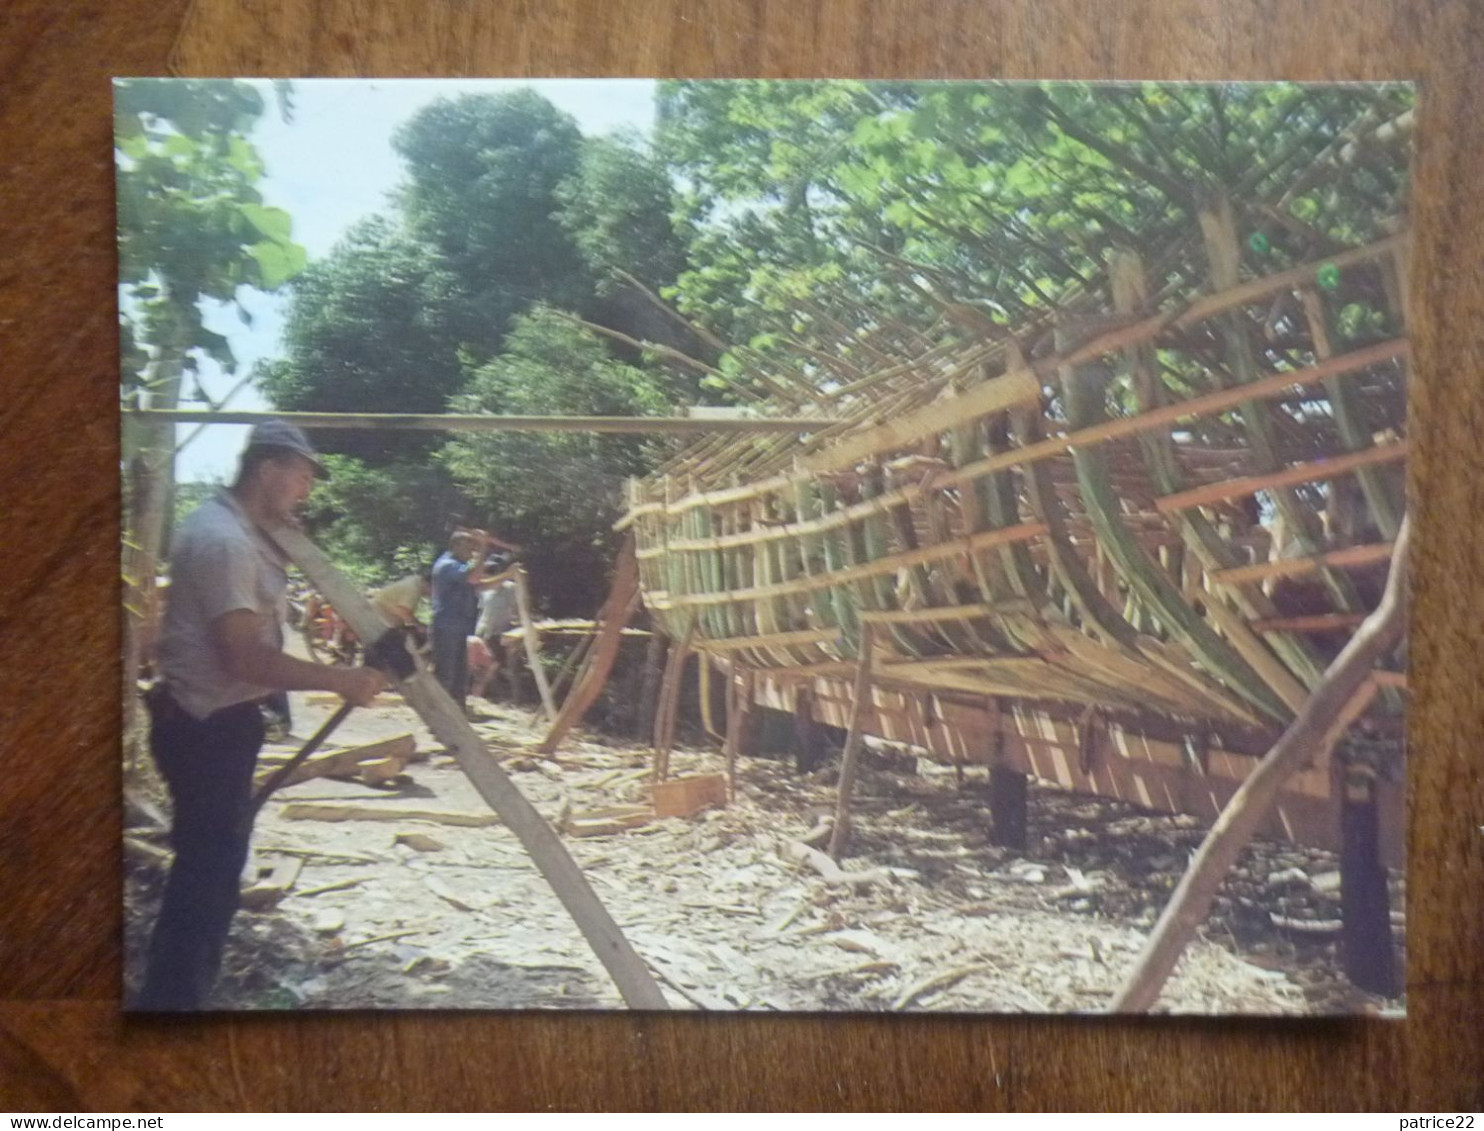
451,660
208,765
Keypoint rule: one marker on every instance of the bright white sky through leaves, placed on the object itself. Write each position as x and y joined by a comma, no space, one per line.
333,165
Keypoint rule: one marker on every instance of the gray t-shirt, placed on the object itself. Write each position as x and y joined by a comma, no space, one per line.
220,562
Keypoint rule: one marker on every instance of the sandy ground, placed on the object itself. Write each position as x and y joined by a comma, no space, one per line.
952,923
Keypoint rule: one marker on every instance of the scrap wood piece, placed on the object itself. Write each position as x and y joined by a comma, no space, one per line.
338,885
396,751
939,981
798,853
447,722
383,938
1345,678
622,600
419,842
265,893
149,855
686,796
605,822
305,811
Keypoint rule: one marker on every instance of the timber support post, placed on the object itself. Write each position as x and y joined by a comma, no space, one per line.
739,720
1009,792
860,704
808,747
533,645
669,704
1365,907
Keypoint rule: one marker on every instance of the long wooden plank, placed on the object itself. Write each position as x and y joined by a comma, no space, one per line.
1317,622
1025,532
1220,401
345,762
1017,387
492,422
1313,472
444,718
772,640
531,640
1290,567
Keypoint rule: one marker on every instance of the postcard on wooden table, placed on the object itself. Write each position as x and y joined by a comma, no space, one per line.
818,545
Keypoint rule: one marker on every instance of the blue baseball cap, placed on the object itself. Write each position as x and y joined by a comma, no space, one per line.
275,433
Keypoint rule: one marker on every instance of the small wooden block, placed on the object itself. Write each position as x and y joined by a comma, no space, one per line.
602,822
268,891
682,797
377,771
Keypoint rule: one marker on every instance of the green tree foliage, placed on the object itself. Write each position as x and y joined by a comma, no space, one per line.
837,221
384,520
369,330
483,171
505,206
191,222
617,206
556,493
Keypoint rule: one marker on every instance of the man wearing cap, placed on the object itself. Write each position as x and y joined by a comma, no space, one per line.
220,655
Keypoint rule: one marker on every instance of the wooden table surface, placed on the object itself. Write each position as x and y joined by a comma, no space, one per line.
64,1045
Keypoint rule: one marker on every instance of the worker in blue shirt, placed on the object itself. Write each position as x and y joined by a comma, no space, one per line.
466,567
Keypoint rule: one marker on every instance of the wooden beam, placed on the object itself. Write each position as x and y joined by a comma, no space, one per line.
1350,556
1015,388
860,696
468,422
773,640
940,614
669,705
346,762
1024,532
533,644
1208,404
1318,622
1315,472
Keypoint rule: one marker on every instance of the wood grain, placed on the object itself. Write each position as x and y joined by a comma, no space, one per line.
63,1044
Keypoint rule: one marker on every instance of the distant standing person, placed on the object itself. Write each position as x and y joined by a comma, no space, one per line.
457,578
398,602
220,656
498,609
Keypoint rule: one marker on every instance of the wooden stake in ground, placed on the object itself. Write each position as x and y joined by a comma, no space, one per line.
664,723
1302,742
448,724
739,708
860,697
533,648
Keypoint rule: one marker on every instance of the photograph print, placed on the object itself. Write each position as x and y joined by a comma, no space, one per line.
764,545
